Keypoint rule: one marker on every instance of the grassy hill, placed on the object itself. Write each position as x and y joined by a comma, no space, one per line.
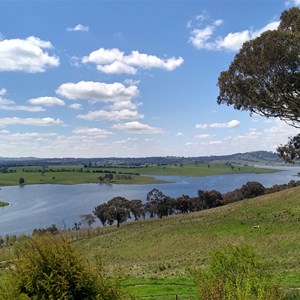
154,255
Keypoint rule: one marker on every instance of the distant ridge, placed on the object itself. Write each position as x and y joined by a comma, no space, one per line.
255,157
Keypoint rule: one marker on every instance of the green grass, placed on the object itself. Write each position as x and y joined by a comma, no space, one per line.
3,203
79,174
164,289
162,250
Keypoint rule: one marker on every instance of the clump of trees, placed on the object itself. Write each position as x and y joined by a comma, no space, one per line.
48,267
264,78
157,204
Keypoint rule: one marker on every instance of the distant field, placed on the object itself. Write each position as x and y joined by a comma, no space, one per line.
154,255
78,174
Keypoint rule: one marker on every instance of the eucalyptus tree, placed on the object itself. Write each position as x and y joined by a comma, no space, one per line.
264,78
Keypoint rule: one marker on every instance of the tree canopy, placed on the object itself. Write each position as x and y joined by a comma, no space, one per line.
264,77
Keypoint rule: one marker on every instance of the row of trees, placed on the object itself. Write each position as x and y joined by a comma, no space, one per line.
120,209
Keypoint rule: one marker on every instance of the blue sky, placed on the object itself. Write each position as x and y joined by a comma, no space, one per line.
128,78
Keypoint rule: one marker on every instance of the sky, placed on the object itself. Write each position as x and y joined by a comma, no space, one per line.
128,78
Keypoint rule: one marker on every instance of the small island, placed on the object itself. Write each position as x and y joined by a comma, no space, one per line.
3,203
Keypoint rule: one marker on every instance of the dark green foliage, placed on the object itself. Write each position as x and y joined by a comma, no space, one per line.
252,189
101,212
116,209
21,180
47,267
159,204
290,151
235,273
264,77
137,208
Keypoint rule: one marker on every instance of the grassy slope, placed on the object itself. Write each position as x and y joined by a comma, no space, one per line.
74,177
163,249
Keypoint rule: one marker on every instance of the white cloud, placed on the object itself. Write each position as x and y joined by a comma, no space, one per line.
202,136
110,115
76,106
10,105
30,121
203,37
293,3
26,135
26,55
137,128
78,27
98,91
3,92
230,124
114,61
47,101
94,132
179,134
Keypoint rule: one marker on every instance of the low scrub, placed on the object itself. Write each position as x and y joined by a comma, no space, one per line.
235,273
48,267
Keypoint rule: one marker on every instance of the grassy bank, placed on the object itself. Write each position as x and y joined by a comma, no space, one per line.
3,203
155,254
122,175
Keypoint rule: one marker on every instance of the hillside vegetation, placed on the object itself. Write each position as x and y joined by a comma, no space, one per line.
162,250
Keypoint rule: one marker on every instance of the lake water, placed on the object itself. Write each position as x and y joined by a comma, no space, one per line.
40,206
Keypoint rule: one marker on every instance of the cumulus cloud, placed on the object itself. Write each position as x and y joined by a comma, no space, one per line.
97,91
179,134
30,121
230,124
76,106
94,132
26,55
203,37
78,27
2,91
6,104
110,115
114,61
118,95
137,128
47,101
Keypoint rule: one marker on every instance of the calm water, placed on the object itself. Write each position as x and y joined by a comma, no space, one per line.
39,206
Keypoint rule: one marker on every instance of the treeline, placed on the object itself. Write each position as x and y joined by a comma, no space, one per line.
119,209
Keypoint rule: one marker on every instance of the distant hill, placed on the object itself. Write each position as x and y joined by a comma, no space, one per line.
252,158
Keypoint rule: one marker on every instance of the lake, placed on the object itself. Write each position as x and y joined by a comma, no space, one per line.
40,206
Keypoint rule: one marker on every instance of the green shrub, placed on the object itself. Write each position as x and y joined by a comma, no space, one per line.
235,273
48,267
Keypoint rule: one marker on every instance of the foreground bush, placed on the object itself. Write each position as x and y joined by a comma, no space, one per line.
235,273
47,267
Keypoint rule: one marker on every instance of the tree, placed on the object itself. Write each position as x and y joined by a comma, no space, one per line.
252,189
101,212
211,199
264,77
159,204
88,219
21,180
136,208
118,209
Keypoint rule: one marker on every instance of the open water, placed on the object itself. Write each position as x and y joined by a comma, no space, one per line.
40,206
